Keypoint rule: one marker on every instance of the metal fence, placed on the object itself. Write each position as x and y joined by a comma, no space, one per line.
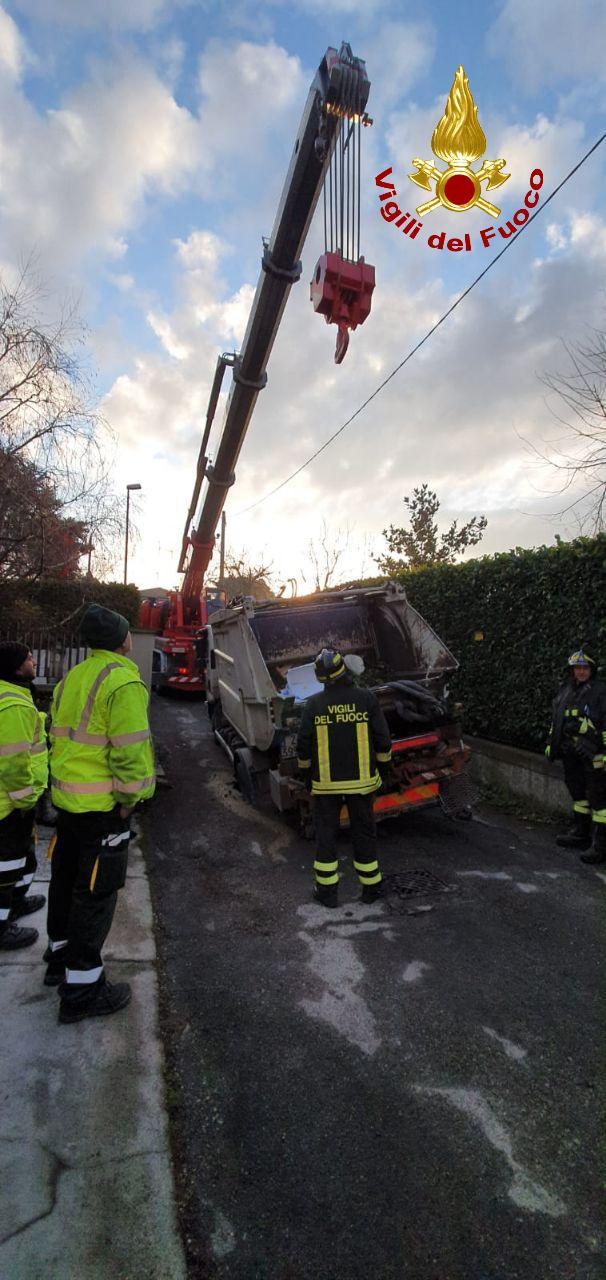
55,652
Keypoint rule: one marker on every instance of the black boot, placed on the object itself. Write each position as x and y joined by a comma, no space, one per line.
12,937
598,853
578,835
107,997
371,892
27,905
326,897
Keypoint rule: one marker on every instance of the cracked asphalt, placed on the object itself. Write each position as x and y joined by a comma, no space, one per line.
359,1093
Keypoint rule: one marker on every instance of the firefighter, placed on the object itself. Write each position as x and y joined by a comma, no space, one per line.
23,778
578,738
101,766
344,748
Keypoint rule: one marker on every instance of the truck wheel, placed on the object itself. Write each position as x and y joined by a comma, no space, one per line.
247,783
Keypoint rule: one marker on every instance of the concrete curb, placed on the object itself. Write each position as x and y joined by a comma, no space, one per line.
86,1181
525,774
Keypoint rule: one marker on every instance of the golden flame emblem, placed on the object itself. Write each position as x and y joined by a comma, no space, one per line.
458,139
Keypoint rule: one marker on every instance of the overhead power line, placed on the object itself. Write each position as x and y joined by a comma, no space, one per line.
424,339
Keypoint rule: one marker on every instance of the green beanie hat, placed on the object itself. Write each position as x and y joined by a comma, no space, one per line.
102,628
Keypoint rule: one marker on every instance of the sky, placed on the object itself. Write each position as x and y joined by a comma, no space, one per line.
143,149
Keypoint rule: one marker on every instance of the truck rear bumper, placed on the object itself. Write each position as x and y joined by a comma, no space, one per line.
182,684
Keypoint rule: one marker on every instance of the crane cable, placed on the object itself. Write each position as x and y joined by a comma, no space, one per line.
424,339
342,187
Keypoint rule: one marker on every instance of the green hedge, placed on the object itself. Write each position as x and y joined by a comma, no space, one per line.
30,606
533,608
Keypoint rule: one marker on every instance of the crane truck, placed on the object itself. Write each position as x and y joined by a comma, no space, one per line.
254,662
327,147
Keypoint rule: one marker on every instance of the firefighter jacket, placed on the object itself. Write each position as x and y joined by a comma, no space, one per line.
23,750
342,737
579,721
101,749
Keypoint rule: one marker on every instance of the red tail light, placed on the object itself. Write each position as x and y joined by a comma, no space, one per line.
182,671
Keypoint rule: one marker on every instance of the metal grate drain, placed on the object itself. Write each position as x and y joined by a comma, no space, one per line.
401,886
458,796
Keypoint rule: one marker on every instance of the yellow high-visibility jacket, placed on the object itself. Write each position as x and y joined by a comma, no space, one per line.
101,749
23,750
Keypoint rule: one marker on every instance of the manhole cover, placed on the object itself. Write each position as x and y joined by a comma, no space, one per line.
401,886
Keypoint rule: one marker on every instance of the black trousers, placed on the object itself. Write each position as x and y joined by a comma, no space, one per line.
88,866
327,810
587,786
17,859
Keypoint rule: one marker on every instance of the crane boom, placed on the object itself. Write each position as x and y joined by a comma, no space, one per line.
339,92
341,289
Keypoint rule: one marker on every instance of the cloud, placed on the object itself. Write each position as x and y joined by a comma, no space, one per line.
251,98
164,400
550,41
13,50
397,54
75,178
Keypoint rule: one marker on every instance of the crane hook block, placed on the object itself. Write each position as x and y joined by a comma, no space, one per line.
341,291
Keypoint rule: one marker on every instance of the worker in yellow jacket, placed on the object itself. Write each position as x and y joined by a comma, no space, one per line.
102,765
23,778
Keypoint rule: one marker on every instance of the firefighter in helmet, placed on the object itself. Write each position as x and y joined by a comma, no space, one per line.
344,748
578,738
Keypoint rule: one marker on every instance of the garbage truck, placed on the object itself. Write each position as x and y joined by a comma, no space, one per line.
259,670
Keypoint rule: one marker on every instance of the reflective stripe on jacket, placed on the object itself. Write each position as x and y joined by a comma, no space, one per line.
23,750
578,714
343,735
101,749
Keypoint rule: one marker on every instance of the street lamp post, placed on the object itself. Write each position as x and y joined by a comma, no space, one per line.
129,487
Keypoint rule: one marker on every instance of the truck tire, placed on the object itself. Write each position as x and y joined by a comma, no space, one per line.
247,783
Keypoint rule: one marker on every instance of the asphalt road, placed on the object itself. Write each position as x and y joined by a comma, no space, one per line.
359,1094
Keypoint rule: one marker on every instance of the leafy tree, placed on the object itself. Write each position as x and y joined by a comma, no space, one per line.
422,545
36,539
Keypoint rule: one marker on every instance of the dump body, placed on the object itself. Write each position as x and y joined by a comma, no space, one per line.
253,648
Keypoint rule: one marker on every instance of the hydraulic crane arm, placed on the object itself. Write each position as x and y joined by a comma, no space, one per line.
339,92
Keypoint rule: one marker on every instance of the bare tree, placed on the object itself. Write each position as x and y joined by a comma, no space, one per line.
580,456
325,551
48,420
244,578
